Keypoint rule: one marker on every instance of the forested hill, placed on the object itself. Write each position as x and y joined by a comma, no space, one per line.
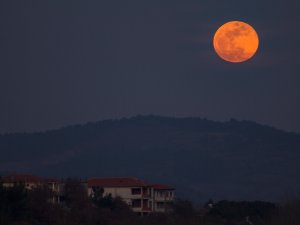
201,158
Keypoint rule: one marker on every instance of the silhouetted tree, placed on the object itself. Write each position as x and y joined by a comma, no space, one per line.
287,213
13,202
75,193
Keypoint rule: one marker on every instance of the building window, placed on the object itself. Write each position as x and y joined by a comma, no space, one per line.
145,191
136,191
136,203
160,205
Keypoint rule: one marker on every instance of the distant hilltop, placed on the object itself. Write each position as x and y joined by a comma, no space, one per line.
202,158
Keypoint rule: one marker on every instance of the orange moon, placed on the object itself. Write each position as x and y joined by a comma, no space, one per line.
236,41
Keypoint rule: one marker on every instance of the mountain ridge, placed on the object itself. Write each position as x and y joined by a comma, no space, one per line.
201,158
150,116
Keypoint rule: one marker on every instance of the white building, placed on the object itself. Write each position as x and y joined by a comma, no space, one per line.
163,196
142,197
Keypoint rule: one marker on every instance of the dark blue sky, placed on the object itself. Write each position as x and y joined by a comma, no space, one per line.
68,61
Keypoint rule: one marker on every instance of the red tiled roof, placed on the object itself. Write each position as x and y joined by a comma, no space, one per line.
100,182
52,180
162,187
116,182
27,178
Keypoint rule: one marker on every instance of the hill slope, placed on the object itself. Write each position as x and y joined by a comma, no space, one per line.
201,158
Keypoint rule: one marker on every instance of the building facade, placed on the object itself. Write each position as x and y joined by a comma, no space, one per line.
163,196
142,197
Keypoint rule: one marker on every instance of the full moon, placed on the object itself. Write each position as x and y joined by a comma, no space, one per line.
236,41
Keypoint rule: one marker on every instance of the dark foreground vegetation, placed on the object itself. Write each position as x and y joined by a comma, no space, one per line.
21,207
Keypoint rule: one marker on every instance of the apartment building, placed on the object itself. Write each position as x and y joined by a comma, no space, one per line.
142,197
163,196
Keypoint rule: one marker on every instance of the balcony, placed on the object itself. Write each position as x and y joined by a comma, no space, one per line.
146,195
147,208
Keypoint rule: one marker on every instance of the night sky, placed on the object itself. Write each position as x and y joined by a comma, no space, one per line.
65,62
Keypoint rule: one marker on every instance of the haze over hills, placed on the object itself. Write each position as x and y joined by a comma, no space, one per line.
202,159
